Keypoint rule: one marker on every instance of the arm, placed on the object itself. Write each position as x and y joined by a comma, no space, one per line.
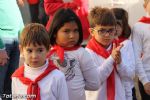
137,47
62,88
127,66
3,54
89,71
51,6
20,2
13,87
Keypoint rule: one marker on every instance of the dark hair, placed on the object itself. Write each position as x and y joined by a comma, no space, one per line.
122,15
102,16
34,33
61,17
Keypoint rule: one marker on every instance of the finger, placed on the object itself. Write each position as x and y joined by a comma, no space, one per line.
119,47
114,46
118,59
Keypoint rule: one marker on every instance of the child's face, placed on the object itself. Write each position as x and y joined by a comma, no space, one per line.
147,7
118,30
104,34
35,56
68,35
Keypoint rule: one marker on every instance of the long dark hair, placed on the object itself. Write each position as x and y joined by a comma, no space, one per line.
61,17
122,15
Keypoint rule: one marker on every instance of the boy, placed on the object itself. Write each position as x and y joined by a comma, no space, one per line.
38,78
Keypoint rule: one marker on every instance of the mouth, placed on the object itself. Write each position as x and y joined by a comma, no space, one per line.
34,62
72,42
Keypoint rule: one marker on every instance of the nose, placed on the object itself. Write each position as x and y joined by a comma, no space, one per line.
72,35
34,55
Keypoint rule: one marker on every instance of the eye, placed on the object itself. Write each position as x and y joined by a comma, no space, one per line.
111,30
40,50
101,31
76,31
66,31
29,50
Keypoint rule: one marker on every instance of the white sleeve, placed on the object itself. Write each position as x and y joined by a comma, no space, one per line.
127,66
62,88
137,47
13,87
104,68
89,71
128,89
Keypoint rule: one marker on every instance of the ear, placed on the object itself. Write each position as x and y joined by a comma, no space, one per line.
91,31
20,48
144,5
50,47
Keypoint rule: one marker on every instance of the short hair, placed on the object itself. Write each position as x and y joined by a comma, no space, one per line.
102,16
146,2
122,15
62,16
35,34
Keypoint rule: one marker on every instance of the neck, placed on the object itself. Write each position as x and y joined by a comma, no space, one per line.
105,46
147,15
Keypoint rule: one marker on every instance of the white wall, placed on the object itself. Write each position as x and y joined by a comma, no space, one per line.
134,7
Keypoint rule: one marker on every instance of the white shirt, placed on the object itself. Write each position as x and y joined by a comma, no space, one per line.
52,87
128,61
105,67
80,72
141,44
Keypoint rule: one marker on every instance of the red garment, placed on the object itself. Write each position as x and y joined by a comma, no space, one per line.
60,51
145,19
51,6
33,87
121,39
97,48
32,1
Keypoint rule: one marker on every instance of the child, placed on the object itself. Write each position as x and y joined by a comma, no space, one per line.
123,32
72,59
80,7
141,40
107,54
38,78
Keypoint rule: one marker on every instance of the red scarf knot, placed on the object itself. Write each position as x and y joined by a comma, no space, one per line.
60,51
33,87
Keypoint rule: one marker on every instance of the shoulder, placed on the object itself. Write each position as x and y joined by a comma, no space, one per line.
139,25
79,52
127,42
57,74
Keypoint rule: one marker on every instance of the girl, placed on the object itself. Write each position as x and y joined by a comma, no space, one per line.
105,52
123,33
69,56
38,78
80,7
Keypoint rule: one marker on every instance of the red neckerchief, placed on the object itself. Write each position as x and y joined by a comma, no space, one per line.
33,87
145,19
97,48
60,51
33,1
121,39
